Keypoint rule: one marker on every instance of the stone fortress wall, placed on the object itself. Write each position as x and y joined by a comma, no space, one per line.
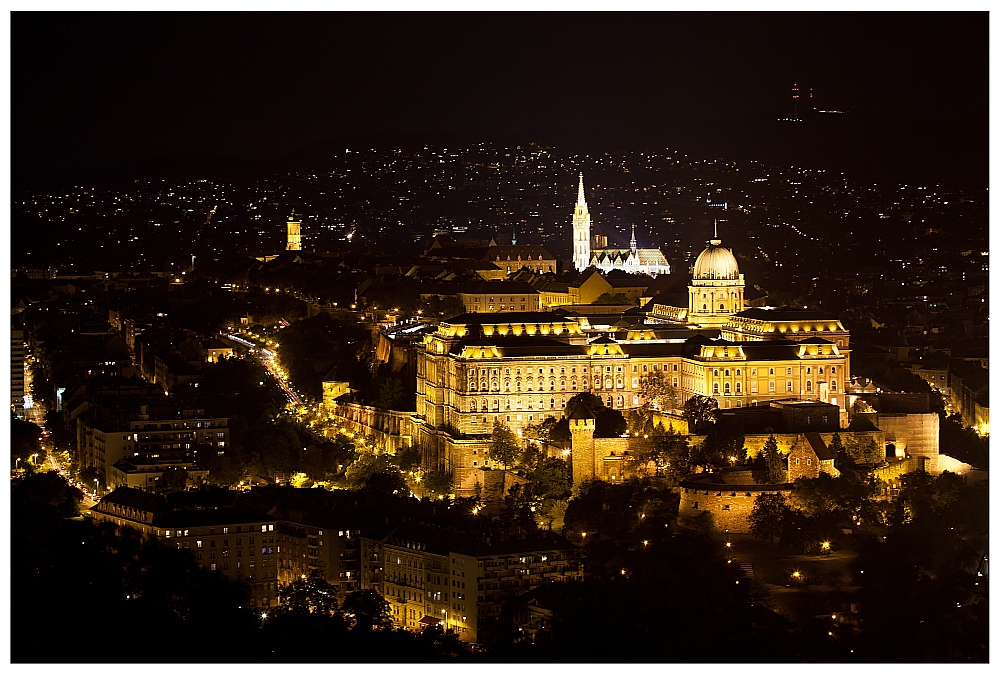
728,505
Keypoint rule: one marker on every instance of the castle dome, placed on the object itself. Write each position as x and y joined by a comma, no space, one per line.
716,263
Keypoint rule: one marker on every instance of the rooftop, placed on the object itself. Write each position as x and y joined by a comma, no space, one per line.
784,314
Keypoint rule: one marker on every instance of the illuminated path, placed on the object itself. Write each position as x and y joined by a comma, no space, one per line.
266,357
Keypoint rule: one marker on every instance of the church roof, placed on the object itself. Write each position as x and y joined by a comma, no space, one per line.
651,256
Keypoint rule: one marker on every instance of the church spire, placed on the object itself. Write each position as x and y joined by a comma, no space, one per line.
581,231
632,243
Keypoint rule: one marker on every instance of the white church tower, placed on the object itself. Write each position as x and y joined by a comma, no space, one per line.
581,231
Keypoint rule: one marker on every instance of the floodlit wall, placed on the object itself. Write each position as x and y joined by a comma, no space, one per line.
728,505
389,430
919,434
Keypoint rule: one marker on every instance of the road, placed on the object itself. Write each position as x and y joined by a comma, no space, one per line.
266,357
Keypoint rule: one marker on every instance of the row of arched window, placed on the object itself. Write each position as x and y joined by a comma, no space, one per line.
530,404
562,385
739,389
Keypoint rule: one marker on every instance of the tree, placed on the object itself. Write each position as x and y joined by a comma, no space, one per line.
836,445
172,479
505,449
542,432
363,467
24,439
517,507
311,594
223,470
775,463
658,392
552,514
376,474
386,483
48,492
391,395
613,298
446,306
90,476
408,458
435,483
671,456
270,450
769,511
864,449
700,410
369,610
723,445
824,495
312,347
560,432
551,478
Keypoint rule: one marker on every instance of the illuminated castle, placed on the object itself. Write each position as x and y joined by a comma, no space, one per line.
294,233
633,259
716,290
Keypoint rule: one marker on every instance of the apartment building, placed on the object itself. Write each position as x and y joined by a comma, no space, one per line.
236,541
461,580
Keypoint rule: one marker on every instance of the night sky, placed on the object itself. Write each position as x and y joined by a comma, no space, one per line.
94,89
